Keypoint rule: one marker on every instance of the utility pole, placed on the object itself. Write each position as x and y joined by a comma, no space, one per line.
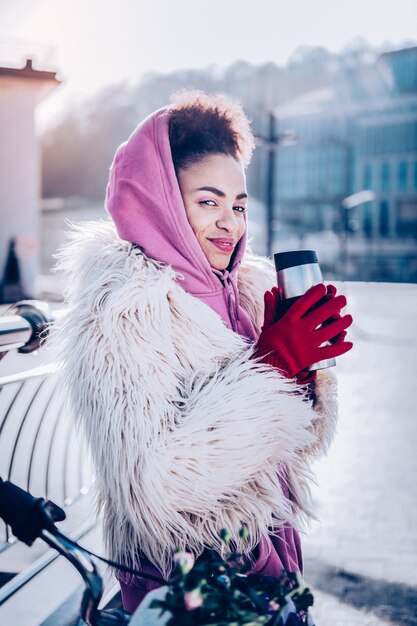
272,145
271,142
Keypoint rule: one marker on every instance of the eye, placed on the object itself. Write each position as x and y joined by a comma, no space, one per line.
240,209
208,202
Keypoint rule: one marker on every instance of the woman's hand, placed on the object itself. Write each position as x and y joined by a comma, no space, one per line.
293,341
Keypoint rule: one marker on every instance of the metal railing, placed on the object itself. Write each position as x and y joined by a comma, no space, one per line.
40,449
22,325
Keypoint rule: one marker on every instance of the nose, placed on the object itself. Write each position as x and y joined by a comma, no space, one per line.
228,220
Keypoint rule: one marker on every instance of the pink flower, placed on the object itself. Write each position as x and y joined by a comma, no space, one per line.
185,561
193,599
273,606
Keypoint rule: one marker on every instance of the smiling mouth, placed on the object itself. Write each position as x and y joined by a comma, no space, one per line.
223,245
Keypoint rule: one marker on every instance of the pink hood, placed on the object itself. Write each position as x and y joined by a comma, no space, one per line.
144,200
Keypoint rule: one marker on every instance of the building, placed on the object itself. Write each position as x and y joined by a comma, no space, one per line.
359,133
20,92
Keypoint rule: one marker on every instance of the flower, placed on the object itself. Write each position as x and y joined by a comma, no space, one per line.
273,606
193,599
217,588
184,561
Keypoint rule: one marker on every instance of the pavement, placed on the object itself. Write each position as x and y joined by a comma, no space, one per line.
361,557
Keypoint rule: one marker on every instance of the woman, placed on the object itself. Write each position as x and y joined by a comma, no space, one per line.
183,376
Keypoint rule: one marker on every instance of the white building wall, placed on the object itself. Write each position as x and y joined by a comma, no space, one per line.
19,176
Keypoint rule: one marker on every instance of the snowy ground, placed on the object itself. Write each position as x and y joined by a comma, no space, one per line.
367,496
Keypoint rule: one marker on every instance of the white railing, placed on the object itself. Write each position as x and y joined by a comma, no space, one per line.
40,450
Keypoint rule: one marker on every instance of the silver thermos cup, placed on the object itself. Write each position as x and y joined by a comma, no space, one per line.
297,271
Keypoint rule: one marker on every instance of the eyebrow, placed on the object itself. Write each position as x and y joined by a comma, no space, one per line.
221,194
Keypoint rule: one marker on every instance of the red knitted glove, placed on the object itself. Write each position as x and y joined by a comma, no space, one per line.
305,377
331,292
292,342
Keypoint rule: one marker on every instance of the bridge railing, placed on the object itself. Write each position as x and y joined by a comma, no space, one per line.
41,452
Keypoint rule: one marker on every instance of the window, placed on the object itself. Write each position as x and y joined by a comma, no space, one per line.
368,176
385,177
402,175
367,219
407,219
384,219
389,138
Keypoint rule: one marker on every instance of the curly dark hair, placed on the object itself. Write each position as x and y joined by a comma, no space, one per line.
201,124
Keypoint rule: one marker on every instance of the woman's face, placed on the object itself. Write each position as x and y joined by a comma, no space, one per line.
215,199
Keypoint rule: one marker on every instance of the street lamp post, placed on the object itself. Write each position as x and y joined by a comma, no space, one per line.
270,183
348,203
271,142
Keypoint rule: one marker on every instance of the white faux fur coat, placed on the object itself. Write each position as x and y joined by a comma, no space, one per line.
187,432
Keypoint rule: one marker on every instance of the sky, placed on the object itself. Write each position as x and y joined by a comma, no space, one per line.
94,43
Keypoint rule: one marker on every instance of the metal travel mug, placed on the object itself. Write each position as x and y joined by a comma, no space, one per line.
297,271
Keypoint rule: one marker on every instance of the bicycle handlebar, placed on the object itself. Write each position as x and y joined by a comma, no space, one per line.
30,518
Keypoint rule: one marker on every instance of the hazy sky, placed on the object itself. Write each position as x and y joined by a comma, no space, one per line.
97,42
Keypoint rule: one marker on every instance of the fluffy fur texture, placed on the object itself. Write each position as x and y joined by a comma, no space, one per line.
187,432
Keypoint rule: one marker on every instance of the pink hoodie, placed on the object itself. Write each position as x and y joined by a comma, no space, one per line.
144,199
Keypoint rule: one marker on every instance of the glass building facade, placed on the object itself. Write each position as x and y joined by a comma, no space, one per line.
363,140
